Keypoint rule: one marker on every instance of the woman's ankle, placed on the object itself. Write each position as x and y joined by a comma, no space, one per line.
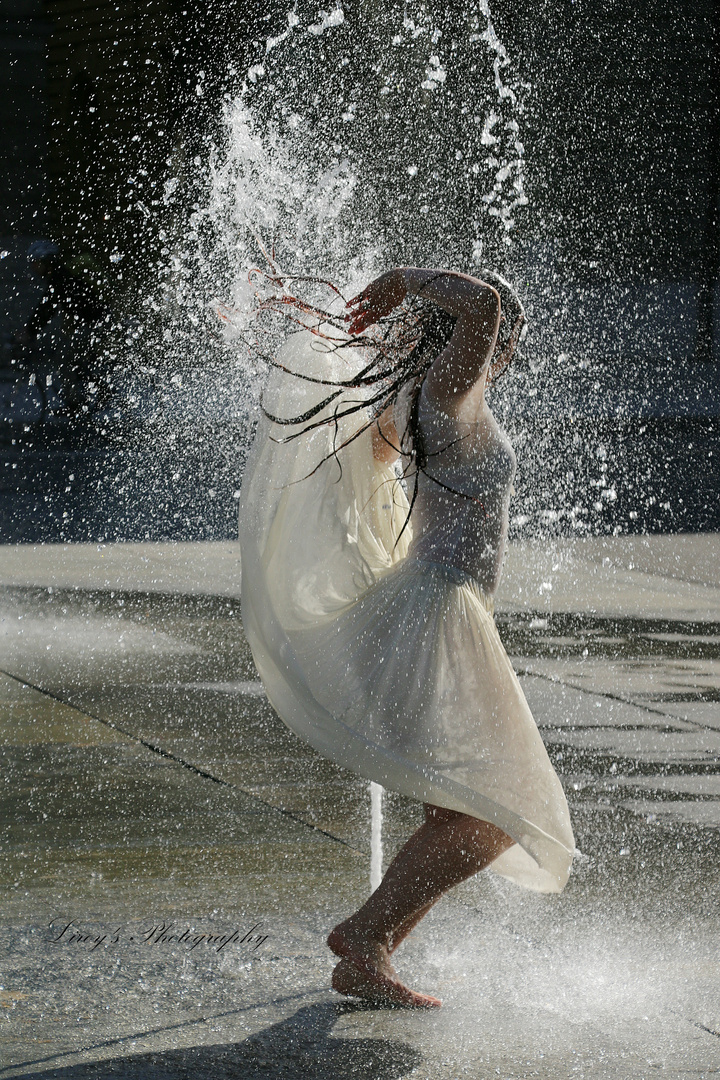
357,929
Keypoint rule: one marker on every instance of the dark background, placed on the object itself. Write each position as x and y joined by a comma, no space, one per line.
103,100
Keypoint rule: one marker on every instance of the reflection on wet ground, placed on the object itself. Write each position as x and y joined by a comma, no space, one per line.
148,784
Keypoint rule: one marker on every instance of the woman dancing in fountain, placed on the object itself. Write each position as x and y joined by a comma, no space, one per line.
370,618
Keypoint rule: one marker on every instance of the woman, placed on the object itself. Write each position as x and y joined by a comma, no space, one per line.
370,620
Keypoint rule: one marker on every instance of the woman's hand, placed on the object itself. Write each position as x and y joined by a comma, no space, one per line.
377,299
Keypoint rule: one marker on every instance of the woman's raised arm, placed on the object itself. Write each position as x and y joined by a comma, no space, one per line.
457,294
461,366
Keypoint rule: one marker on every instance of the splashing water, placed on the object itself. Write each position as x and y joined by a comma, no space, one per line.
352,145
348,144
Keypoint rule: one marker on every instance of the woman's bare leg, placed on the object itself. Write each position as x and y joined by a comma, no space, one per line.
437,813
447,849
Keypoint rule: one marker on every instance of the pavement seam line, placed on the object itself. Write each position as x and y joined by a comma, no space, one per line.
185,764
155,1031
698,724
702,1027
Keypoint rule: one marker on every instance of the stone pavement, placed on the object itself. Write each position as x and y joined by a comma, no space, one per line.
173,856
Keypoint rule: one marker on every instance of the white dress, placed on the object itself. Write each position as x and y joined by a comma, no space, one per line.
383,654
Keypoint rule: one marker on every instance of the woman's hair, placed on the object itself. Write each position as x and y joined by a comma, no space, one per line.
511,309
401,348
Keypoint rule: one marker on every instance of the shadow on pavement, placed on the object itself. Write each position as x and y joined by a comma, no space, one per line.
301,1045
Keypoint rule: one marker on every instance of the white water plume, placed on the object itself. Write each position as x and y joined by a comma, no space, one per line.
314,175
350,145
267,209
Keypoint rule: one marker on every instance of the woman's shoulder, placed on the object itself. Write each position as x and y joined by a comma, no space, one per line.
460,409
479,432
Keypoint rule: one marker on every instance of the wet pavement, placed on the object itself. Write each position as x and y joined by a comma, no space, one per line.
173,857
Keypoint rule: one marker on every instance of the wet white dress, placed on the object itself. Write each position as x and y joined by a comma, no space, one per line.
384,655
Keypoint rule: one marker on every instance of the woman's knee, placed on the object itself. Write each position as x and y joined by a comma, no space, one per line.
485,837
479,834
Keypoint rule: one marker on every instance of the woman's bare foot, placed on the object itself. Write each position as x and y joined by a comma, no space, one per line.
365,970
364,952
348,980
448,848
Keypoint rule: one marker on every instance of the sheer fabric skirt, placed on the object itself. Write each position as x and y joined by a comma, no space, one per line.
388,665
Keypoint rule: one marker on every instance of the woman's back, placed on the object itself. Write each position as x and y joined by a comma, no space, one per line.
466,526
